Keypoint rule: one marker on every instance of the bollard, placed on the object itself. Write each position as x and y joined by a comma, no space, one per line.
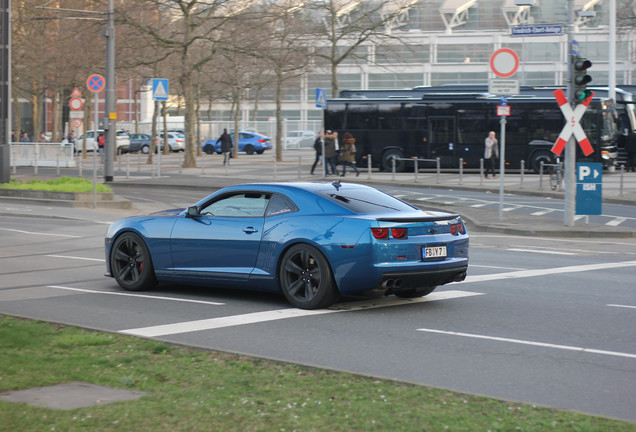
81,165
15,166
57,163
127,165
481,171
393,168
461,169
139,162
620,190
416,169
275,167
36,157
541,175
523,170
299,166
369,166
438,169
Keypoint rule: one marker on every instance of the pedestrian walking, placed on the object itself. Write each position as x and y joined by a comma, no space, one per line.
331,151
226,146
349,154
491,153
42,138
318,148
25,137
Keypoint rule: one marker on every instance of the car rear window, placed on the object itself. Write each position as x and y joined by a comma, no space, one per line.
366,200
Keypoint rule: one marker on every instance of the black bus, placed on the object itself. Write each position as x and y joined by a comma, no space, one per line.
451,123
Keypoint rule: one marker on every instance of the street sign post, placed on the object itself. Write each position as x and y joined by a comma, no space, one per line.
504,62
589,188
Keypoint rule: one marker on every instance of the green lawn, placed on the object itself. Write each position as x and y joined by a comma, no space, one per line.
195,390
62,184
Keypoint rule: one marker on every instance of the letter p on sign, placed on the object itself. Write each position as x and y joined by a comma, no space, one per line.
584,171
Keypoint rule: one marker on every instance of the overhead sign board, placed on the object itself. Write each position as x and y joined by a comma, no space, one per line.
589,188
160,88
538,30
500,86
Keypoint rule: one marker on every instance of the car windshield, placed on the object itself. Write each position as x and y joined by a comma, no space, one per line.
366,200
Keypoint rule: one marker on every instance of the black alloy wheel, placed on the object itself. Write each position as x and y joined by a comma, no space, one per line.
131,264
249,149
306,279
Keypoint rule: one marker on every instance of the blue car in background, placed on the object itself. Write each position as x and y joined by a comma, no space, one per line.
311,242
249,142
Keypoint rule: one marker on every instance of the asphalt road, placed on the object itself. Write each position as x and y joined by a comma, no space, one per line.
548,321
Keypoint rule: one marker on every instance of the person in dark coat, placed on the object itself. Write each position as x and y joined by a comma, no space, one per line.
630,148
349,154
330,151
318,148
226,146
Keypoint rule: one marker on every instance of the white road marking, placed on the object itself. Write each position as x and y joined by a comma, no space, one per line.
115,293
77,258
616,222
542,212
622,306
507,209
273,315
553,252
547,271
480,205
497,267
39,233
525,342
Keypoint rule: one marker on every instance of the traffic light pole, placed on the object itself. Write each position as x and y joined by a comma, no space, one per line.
570,148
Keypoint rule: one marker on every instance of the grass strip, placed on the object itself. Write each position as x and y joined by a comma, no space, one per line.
62,184
196,390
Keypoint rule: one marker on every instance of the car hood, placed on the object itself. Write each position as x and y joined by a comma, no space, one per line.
168,213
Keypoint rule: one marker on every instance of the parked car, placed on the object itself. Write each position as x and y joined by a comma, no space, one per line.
122,141
176,141
298,139
249,142
139,142
310,241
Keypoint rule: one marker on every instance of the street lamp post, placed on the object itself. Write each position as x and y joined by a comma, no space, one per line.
111,110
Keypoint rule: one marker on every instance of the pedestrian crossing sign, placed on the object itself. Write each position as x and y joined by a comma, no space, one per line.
321,98
160,89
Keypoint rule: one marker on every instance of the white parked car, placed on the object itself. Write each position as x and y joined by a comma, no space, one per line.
122,141
176,141
298,139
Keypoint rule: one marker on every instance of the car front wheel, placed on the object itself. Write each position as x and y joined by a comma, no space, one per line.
145,149
249,149
306,279
131,264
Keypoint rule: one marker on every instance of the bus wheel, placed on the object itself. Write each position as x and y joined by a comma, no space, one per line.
387,163
538,157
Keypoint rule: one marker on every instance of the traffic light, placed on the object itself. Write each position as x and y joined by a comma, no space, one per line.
581,78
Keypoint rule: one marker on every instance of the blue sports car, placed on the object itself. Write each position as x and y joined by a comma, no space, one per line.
311,241
249,142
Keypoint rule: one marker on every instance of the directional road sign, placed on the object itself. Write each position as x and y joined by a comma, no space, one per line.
538,30
160,88
95,83
572,125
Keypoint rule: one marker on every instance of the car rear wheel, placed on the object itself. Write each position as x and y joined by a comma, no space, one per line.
414,292
145,149
249,149
306,279
131,264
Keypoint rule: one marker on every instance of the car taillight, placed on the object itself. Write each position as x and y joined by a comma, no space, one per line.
399,233
456,229
380,233
260,140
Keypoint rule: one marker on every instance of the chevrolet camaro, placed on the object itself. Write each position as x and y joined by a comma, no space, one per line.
312,241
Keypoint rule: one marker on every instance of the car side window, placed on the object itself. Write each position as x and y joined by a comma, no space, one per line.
279,205
244,204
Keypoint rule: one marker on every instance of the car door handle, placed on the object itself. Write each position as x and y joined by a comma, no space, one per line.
250,230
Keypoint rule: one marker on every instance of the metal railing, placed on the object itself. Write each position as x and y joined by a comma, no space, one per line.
416,166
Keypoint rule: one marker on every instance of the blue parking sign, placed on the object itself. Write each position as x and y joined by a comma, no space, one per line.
589,188
321,98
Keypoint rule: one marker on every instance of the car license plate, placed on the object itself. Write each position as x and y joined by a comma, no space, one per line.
434,252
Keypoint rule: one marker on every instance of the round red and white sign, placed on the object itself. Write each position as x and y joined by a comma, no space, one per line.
504,62
77,123
76,104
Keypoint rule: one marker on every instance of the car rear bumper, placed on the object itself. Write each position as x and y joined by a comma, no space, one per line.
419,279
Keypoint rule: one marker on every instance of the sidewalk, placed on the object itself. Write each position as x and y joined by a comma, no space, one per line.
131,171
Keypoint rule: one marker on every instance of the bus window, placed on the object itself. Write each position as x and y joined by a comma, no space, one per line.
415,117
390,116
334,116
362,116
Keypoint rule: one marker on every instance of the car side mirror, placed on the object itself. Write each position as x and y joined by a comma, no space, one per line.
192,211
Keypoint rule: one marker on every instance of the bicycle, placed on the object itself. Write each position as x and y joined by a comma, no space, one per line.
556,175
